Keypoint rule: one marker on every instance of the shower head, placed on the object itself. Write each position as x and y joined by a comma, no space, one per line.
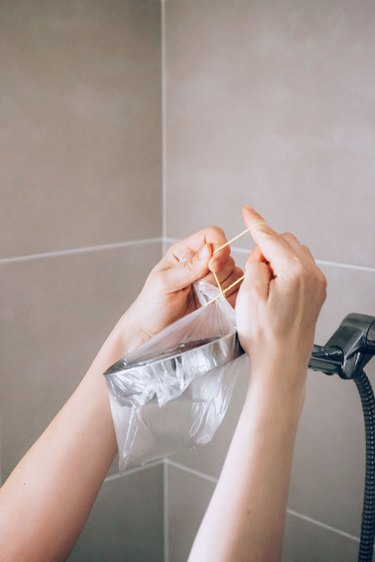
168,373
204,354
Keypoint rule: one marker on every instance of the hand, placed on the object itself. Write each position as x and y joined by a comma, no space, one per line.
279,300
168,295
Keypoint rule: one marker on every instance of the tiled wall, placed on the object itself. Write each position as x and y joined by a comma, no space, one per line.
272,103
80,224
264,102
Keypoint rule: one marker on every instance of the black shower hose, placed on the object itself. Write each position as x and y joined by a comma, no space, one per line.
366,546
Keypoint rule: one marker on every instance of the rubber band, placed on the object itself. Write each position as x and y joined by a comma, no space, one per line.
234,284
219,285
225,290
238,236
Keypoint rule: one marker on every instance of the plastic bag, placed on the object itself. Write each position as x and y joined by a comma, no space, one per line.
174,390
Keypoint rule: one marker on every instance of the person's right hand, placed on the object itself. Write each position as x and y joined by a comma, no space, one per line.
279,301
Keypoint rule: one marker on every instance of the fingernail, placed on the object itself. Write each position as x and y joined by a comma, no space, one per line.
250,208
204,253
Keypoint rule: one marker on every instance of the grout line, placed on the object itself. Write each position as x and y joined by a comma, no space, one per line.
168,240
323,525
165,511
320,262
163,121
346,265
192,471
289,511
81,250
132,471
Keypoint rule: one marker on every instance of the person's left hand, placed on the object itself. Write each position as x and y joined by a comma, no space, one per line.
168,295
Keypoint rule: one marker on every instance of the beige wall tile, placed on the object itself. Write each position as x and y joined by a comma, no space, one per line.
313,543
272,103
80,115
126,522
188,499
189,496
55,314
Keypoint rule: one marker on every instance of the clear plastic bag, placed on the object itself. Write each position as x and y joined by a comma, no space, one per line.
174,390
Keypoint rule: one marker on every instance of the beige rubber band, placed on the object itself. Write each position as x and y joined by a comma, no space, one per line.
225,290
219,285
239,236
234,284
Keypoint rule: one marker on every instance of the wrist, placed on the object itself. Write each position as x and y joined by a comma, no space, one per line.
277,362
272,412
123,339
126,335
277,389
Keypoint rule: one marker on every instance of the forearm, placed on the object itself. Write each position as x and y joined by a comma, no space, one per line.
46,500
245,518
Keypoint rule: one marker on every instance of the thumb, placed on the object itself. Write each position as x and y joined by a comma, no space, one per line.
187,271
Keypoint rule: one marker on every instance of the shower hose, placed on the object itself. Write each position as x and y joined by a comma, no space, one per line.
346,353
366,546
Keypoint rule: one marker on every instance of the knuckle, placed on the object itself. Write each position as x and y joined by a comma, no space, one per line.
227,263
230,264
305,249
298,273
322,280
216,229
297,267
188,265
323,285
288,236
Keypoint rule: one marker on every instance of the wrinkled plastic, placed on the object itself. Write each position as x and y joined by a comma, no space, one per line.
174,390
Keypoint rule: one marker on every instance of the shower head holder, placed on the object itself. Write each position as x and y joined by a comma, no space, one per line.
349,349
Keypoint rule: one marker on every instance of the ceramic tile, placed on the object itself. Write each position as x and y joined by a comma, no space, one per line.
312,543
126,522
56,312
80,124
272,104
188,499
303,540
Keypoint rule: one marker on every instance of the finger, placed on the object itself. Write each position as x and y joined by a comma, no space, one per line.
256,255
231,282
232,299
223,272
273,247
187,271
212,235
215,236
257,279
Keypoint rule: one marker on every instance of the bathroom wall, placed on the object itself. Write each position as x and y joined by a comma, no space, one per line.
80,224
272,103
263,102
